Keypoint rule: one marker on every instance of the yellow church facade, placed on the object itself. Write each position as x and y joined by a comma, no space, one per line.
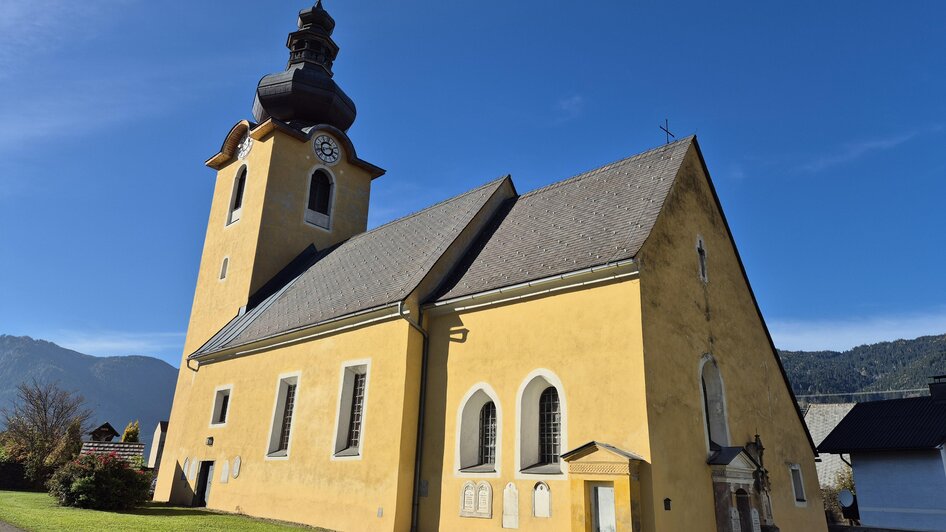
586,356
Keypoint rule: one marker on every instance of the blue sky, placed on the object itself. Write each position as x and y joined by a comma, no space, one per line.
823,125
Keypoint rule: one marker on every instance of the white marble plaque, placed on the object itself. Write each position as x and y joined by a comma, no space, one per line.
756,522
734,520
193,472
225,472
541,500
468,500
510,506
237,464
484,500
184,466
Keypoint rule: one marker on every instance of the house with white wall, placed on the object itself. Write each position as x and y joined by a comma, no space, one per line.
898,452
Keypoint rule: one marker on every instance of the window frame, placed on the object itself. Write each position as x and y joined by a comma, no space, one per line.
234,213
216,406
527,437
343,416
799,486
312,217
466,434
709,359
276,420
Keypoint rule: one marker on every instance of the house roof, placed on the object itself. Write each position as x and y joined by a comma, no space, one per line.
125,451
105,429
594,218
915,423
369,270
822,418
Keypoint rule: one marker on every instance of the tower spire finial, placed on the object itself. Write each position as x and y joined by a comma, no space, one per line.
305,93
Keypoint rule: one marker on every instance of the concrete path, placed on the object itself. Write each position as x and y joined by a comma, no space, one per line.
4,527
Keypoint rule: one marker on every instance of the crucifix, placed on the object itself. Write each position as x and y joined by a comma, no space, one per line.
666,129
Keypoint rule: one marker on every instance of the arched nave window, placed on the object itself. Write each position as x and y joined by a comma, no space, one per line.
479,422
714,403
541,427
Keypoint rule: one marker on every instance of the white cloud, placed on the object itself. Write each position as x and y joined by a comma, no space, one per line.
116,343
852,151
570,108
841,335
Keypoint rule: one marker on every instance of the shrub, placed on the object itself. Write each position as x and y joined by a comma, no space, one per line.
100,482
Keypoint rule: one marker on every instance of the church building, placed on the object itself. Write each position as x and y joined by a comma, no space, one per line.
588,356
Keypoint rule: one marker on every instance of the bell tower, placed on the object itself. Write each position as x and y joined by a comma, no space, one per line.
289,180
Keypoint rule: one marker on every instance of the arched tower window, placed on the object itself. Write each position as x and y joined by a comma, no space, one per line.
714,404
236,201
487,454
479,421
318,208
541,424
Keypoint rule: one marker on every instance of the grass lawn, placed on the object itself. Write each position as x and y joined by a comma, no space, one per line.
39,512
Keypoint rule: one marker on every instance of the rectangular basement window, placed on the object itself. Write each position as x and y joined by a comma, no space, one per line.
349,430
280,435
797,484
218,417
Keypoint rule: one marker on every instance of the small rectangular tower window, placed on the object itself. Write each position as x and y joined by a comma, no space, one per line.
797,484
221,406
284,408
349,434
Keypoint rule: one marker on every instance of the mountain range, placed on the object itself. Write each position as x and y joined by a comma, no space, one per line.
117,389
897,365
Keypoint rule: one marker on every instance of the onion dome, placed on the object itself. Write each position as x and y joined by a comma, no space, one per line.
305,93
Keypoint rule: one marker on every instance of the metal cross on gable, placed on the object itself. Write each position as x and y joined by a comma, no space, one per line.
666,129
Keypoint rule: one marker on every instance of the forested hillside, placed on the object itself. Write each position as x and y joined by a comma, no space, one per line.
897,365
116,389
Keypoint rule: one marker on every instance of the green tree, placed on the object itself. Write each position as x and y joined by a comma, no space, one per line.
131,432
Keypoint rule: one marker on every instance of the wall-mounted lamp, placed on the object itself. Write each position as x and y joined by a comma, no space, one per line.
209,441
667,504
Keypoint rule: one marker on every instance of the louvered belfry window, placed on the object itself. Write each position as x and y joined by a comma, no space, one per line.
487,434
287,418
550,421
357,410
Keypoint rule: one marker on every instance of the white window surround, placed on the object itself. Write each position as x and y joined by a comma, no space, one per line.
527,423
467,437
317,219
715,396
798,485
275,425
702,266
233,214
224,268
343,414
219,392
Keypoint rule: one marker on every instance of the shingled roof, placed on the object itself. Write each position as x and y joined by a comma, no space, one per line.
591,219
915,423
369,270
595,218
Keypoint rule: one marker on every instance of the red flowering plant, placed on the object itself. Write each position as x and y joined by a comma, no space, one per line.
100,482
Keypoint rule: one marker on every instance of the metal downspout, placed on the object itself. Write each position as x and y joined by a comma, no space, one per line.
421,410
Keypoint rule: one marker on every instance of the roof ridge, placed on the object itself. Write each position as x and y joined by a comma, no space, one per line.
431,207
599,169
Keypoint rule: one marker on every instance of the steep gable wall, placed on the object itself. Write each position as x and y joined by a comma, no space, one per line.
685,318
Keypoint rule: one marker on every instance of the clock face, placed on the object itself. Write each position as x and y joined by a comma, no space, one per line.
243,149
326,149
